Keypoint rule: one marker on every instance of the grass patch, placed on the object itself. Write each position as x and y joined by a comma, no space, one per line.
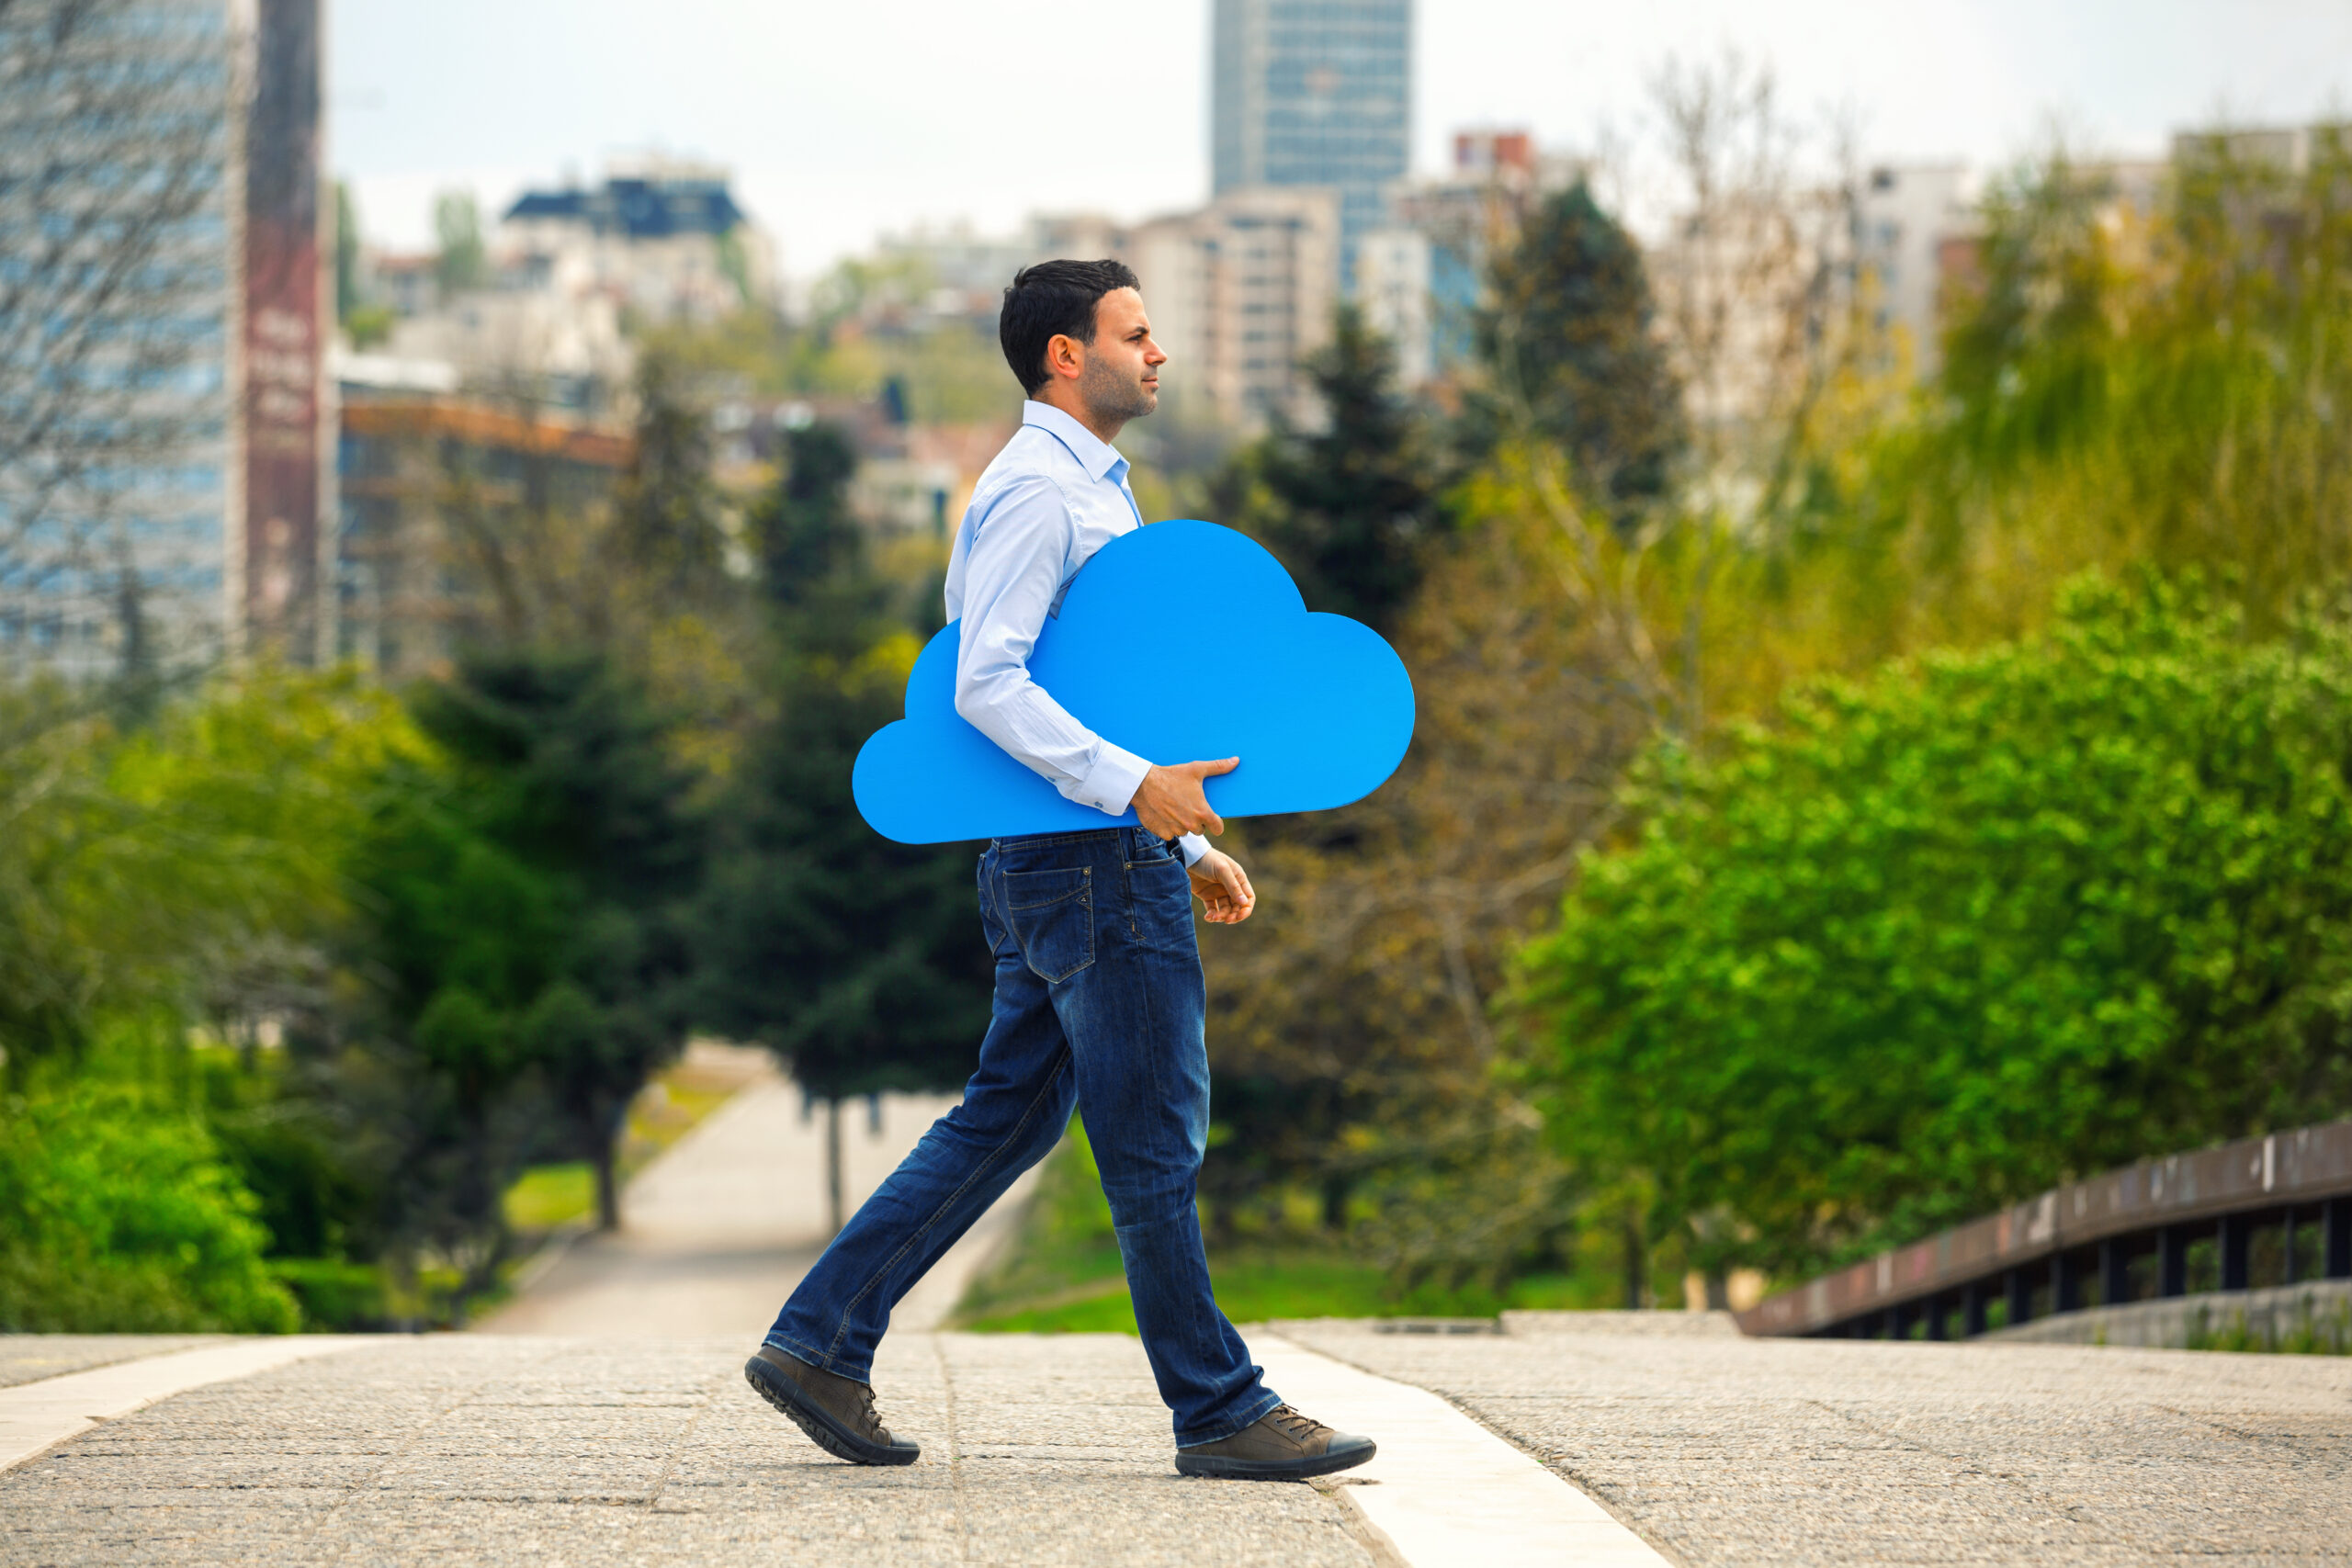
1064,1261
667,1110
1062,1273
670,1106
551,1195
2316,1332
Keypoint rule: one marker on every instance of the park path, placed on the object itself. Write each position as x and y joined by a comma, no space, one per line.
717,1231
489,1450
603,1421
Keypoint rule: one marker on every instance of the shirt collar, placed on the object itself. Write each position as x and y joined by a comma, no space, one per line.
1097,457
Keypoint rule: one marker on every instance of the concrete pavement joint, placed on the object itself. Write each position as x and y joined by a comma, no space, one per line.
401,1450
670,1467
2027,1499
954,1451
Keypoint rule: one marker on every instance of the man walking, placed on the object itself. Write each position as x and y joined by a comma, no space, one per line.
1100,1004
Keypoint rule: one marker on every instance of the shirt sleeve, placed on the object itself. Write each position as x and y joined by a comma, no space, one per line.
1194,847
1012,575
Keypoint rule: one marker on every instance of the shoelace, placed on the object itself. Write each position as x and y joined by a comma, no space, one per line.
1298,1428
865,1400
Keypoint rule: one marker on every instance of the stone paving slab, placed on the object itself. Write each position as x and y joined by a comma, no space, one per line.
26,1357
476,1449
1724,1450
1038,1451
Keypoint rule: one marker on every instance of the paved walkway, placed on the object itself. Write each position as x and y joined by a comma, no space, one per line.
604,1421
1719,1450
498,1451
476,1448
716,1231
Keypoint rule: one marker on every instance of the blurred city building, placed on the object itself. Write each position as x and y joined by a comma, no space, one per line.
566,275
660,237
443,494
553,346
1419,276
1313,93
2283,149
929,277
1906,217
1239,292
166,459
406,285
912,480
1751,285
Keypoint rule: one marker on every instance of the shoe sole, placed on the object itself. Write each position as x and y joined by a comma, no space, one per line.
835,1439
1272,1469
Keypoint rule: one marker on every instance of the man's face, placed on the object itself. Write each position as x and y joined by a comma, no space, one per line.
1121,378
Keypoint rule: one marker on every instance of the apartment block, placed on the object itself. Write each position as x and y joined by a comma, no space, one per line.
1240,291
165,460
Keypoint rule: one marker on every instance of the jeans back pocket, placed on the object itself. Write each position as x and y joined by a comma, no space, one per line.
1052,918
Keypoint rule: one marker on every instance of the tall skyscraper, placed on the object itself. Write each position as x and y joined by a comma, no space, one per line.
164,464
1314,93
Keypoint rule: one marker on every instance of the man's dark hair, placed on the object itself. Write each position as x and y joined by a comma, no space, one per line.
1053,299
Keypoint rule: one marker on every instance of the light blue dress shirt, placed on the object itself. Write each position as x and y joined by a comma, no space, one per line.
1053,497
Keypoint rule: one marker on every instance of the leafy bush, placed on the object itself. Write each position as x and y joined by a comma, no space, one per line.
119,1217
1944,937
337,1296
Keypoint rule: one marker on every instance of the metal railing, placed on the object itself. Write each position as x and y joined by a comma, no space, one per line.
2129,1235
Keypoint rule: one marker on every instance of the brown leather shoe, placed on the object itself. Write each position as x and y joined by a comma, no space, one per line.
836,1411
1282,1444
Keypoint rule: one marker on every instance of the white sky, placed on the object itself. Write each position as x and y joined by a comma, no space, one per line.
842,121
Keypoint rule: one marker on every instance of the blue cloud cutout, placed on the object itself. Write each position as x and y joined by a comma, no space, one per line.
1182,641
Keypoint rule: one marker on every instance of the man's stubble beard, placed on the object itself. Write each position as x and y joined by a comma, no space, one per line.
1112,396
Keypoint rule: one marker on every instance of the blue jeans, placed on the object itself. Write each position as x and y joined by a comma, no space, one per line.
1099,1005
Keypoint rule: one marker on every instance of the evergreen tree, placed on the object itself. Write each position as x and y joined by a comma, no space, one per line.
807,524
561,942
1351,509
669,528
857,960
1570,354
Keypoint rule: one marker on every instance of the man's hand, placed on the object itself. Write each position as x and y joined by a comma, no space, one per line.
1224,886
1169,802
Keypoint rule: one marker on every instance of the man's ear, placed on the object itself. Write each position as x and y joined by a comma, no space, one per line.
1065,356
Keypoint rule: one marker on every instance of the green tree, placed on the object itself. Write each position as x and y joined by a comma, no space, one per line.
1351,508
141,870
462,263
424,1054
855,959
1941,938
805,532
159,887
1571,354
668,524
576,963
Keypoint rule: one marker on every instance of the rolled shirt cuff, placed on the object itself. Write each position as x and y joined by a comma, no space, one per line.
1194,847
1110,785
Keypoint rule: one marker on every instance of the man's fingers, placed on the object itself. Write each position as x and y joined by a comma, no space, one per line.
1210,823
1210,769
